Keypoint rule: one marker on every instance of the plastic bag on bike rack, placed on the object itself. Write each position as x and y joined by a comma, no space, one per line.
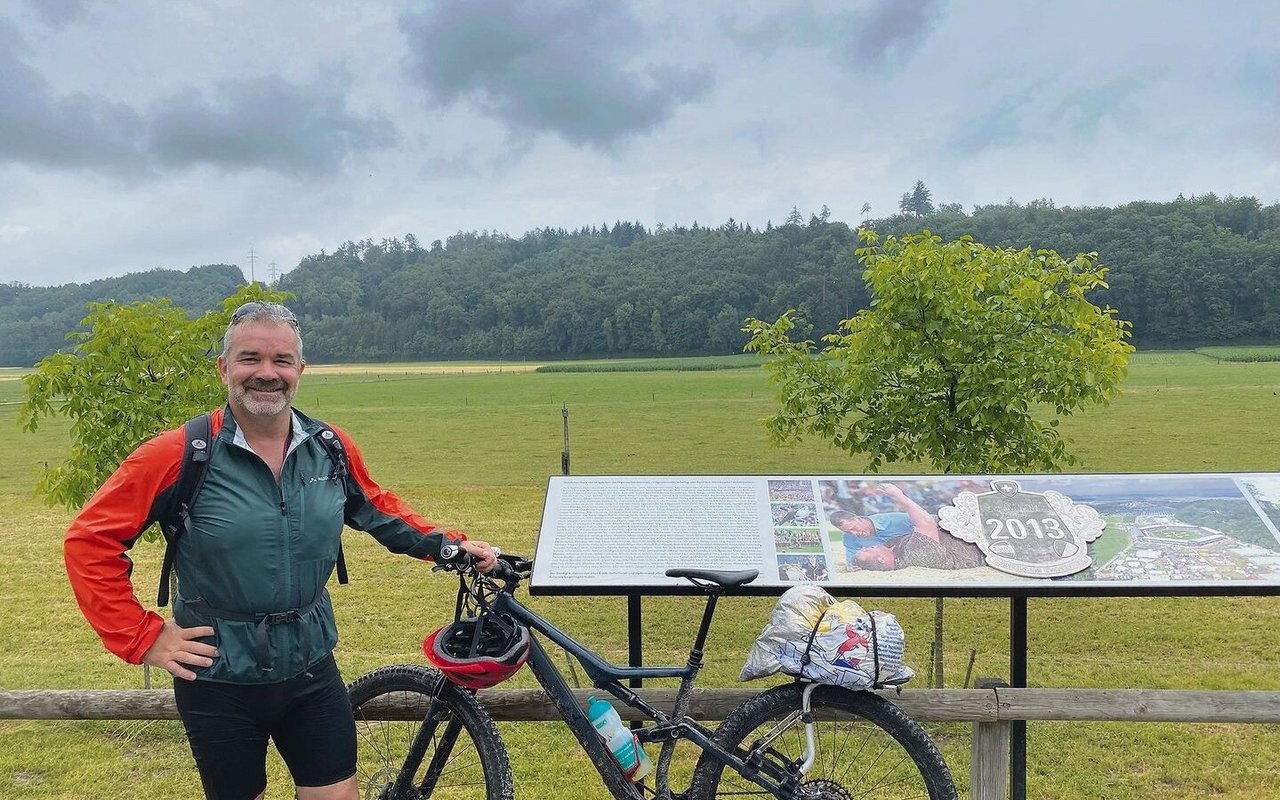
813,636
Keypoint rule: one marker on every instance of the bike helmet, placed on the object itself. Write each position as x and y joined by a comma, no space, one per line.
478,652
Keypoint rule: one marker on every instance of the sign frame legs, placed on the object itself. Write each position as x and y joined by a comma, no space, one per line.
1018,678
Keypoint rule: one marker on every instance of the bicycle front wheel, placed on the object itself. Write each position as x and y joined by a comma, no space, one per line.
865,747
456,754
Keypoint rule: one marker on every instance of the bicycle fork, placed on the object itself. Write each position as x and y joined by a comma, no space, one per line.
421,741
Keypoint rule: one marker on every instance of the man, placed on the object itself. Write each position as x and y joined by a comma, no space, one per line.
923,544
815,568
930,549
251,639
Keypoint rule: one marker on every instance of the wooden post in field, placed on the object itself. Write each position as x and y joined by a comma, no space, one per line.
937,643
564,454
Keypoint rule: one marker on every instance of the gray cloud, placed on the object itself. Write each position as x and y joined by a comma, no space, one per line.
574,68
872,33
891,27
57,13
263,123
67,131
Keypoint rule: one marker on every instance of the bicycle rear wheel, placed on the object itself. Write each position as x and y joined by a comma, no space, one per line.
461,755
865,748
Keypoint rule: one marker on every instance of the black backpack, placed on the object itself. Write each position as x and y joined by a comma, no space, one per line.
175,519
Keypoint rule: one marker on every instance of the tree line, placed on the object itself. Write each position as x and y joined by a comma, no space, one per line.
1189,271
35,320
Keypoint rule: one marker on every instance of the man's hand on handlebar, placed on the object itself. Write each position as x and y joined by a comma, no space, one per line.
479,554
486,556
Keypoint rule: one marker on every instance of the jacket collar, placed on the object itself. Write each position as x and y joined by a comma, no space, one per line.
299,430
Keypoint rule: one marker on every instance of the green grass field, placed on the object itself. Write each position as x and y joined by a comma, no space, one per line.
473,449
1260,352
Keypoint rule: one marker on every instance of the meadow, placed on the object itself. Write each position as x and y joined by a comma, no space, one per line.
472,448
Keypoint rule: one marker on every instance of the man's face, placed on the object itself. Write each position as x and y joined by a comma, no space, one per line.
858,526
876,557
261,368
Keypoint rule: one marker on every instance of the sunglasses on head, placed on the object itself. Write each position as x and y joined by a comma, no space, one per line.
257,306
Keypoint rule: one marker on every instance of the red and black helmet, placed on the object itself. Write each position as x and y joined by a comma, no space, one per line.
478,652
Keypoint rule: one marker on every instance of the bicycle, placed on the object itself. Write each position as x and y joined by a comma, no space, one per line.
802,740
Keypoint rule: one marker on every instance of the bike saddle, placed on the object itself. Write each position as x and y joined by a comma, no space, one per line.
723,578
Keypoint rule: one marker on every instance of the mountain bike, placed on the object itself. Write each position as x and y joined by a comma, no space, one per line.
422,735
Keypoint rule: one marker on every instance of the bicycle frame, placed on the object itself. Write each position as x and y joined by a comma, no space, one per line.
610,678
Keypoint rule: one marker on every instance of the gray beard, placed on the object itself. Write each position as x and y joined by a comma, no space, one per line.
261,408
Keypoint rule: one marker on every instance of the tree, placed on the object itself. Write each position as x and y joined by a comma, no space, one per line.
918,202
962,355
139,369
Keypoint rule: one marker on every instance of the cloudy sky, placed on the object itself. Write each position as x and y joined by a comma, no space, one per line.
170,133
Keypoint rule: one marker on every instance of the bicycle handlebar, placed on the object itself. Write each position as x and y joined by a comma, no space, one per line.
509,569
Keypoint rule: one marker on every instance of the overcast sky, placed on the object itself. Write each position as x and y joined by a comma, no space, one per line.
173,133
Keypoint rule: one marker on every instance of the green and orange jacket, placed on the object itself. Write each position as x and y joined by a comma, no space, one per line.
256,546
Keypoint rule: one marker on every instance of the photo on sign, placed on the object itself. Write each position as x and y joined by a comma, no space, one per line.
794,514
797,540
798,569
887,526
1194,528
791,490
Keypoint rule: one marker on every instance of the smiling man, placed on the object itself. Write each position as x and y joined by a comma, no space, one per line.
250,644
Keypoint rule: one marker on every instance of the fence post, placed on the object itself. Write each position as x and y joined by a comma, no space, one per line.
564,454
989,753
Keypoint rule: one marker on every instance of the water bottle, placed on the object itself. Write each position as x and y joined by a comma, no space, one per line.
643,764
622,743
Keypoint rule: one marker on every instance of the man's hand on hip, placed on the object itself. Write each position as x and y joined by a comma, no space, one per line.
176,648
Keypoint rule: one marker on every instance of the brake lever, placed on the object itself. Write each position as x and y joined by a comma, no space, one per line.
520,564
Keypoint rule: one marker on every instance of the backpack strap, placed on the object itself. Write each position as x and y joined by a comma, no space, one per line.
332,444
177,520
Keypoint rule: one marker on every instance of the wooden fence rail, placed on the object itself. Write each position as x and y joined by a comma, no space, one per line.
990,711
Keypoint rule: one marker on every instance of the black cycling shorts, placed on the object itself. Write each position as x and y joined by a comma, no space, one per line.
228,724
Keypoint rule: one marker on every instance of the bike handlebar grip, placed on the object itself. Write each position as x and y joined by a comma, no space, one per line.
453,555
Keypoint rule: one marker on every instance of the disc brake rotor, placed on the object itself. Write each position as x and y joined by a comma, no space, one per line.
822,789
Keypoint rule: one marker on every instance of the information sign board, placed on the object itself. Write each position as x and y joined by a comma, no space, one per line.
1114,534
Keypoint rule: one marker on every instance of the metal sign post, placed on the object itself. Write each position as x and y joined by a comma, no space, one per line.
1018,677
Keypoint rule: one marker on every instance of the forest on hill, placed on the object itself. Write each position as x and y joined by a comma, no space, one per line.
35,320
1189,271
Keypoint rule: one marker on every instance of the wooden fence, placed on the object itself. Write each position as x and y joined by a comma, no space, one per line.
989,710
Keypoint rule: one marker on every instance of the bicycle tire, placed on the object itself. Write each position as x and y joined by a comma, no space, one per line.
867,748
477,765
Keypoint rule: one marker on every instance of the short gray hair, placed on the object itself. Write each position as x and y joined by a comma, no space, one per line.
260,311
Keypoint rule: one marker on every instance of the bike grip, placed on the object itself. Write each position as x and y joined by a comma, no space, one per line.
453,555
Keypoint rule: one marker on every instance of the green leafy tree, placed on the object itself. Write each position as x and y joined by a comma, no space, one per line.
963,360
136,370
